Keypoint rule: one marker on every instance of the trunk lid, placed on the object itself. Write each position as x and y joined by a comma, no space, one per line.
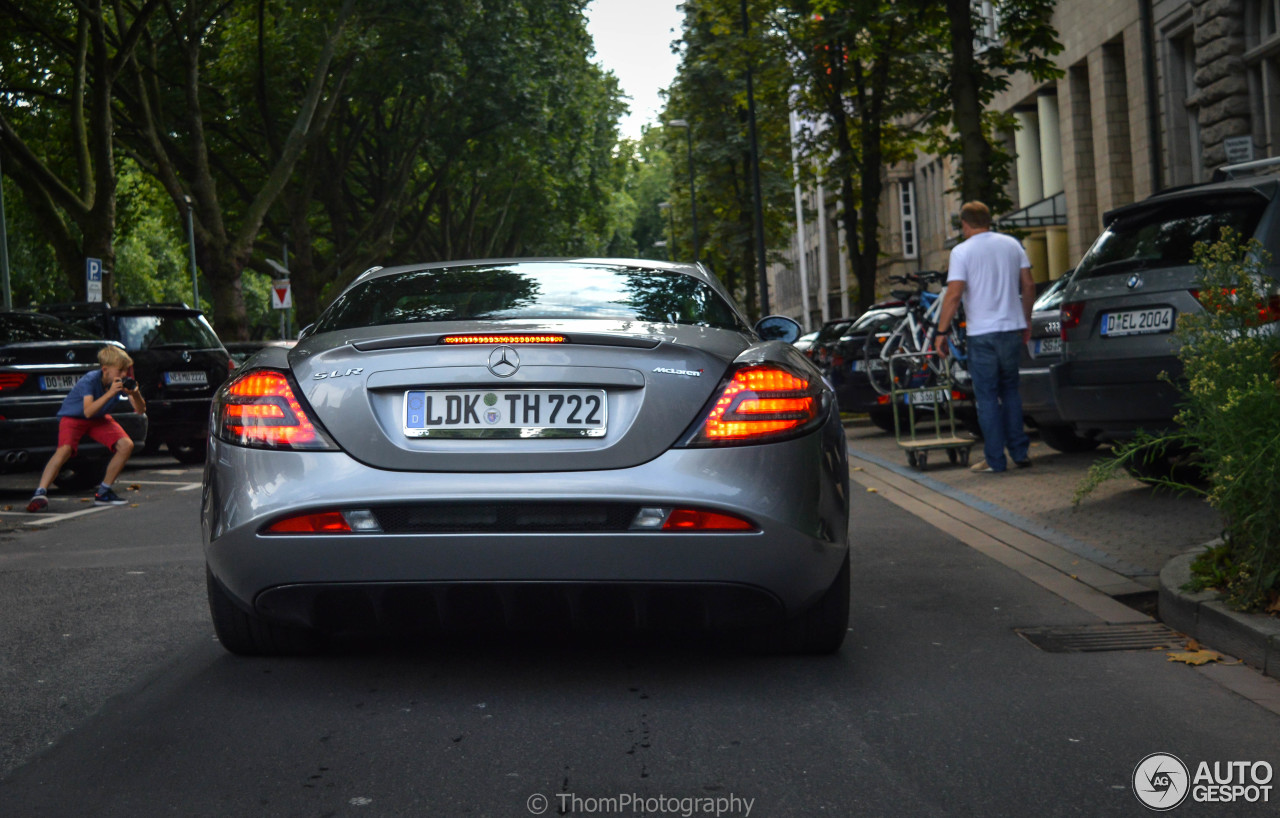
655,380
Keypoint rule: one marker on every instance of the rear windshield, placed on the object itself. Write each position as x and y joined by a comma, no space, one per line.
530,290
1164,235
166,331
17,328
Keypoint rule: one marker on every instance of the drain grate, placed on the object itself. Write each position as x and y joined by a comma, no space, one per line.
1091,638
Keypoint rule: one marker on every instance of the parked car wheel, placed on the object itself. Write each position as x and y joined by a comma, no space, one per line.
822,628
189,451
80,473
247,634
1065,439
883,419
1158,464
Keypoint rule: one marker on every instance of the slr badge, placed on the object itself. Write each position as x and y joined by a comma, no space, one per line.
1135,282
504,361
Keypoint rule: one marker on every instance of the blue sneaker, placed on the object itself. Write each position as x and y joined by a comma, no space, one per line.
107,497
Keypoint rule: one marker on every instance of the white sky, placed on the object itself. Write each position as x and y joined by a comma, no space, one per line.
633,40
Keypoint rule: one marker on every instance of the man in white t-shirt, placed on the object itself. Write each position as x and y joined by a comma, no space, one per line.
991,273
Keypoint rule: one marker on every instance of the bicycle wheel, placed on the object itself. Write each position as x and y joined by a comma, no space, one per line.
875,364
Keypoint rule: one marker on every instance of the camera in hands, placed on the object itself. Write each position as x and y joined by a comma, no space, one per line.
129,384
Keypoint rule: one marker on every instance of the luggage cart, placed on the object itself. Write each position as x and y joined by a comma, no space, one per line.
921,391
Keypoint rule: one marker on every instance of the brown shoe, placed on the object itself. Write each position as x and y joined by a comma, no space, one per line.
981,467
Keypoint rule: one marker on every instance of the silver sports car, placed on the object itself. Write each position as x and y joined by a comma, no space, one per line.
598,443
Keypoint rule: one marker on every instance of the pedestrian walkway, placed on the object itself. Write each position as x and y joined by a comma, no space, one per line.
1124,525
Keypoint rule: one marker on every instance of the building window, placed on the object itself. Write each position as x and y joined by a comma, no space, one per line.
1185,153
1262,56
907,202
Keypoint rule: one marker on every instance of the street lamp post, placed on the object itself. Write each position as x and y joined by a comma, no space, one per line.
693,198
191,243
671,216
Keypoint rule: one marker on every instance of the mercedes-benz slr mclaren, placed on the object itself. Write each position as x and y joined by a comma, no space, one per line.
514,444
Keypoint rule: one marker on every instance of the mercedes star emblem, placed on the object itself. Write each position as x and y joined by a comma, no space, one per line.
1135,281
504,361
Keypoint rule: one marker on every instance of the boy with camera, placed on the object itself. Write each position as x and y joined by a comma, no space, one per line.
84,412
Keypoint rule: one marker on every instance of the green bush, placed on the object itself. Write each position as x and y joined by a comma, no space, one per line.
1229,420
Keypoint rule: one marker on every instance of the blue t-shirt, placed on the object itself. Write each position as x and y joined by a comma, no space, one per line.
91,384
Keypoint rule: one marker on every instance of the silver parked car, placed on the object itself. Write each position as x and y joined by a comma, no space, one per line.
528,443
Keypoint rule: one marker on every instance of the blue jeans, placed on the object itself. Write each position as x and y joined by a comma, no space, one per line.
993,365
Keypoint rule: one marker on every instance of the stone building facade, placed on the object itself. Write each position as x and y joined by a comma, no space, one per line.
1154,94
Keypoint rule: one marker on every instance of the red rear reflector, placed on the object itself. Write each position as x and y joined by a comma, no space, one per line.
12,380
260,409
1071,315
503,339
690,519
324,522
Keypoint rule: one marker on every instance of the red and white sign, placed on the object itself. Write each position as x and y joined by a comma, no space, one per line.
281,294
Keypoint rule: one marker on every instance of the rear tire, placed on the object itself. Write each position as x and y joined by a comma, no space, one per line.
191,451
1065,439
822,628
883,419
80,473
247,634
1157,465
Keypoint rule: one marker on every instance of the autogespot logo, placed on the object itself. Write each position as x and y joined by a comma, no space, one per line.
1161,781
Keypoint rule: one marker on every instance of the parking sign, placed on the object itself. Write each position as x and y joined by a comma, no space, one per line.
93,279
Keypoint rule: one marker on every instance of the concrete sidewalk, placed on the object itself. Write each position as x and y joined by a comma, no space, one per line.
1126,540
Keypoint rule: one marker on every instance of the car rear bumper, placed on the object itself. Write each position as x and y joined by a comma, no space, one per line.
1114,399
792,558
1038,404
179,418
28,443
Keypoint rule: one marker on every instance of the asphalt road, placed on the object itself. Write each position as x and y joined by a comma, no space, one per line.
118,701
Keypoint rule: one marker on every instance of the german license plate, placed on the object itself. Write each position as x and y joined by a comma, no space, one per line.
928,397
509,413
58,383
1049,346
1137,322
186,378
868,365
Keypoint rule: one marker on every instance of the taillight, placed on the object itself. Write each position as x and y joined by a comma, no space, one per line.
1071,315
325,522
1268,311
12,380
259,409
690,519
757,404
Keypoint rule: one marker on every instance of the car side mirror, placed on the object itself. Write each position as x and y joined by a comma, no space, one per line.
778,328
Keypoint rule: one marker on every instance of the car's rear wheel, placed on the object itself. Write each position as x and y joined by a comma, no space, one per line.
247,634
192,450
882,419
1065,439
80,473
820,629
1158,464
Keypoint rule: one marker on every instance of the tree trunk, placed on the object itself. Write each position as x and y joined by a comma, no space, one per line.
975,151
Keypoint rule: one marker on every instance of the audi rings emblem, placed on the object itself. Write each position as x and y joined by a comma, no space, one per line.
1134,282
504,361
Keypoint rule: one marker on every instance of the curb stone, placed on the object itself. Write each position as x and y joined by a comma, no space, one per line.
1253,638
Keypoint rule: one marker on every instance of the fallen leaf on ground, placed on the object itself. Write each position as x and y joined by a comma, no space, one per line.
134,487
1195,657
872,491
1193,644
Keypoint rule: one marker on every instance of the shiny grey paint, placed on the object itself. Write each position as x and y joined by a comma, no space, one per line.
796,491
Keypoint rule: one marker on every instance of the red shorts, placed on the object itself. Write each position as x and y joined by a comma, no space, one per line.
105,430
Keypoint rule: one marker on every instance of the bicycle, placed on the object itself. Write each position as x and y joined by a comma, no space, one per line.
903,357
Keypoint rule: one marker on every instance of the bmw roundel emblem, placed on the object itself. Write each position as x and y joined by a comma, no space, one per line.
186,356
1135,281
71,355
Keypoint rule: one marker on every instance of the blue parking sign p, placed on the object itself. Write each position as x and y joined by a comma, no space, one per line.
93,279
